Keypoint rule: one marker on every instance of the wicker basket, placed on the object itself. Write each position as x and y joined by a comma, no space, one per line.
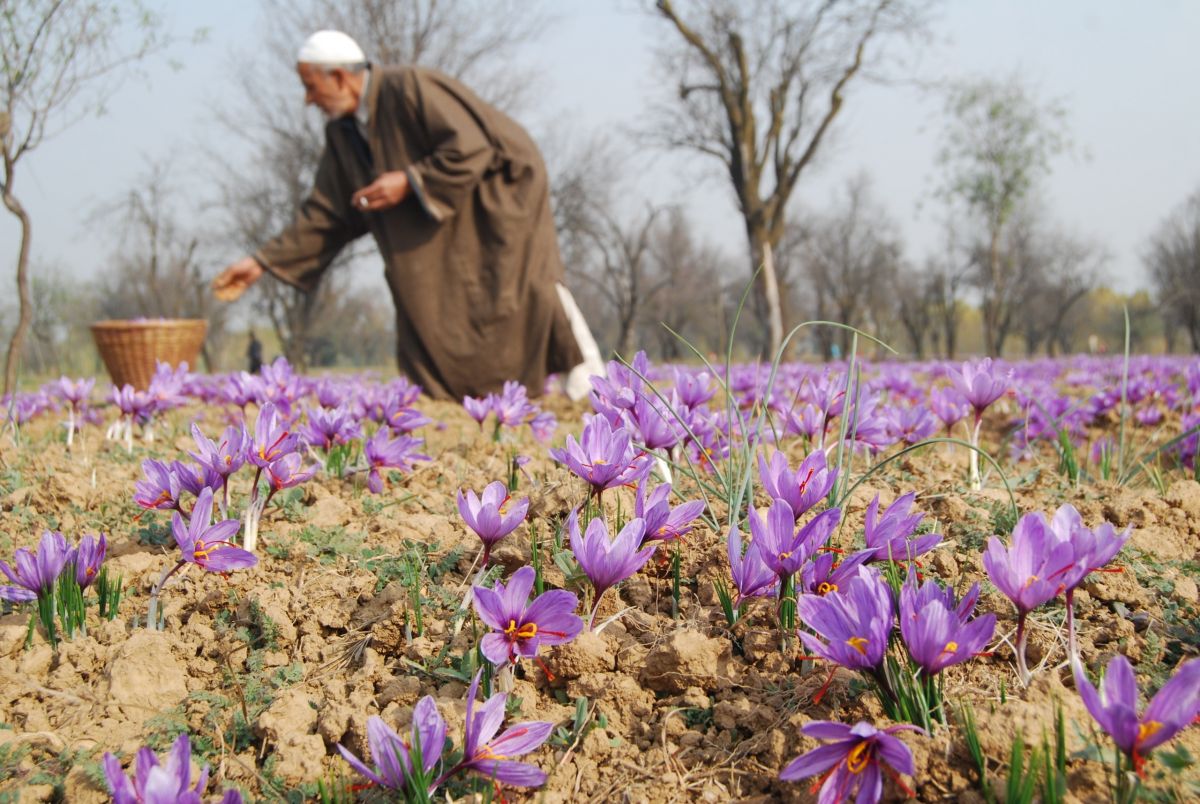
131,349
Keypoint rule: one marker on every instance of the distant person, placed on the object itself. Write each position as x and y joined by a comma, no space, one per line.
254,353
458,200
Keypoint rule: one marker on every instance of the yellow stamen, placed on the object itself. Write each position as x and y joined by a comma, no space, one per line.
526,631
858,643
859,757
1147,730
951,647
825,588
1030,581
486,753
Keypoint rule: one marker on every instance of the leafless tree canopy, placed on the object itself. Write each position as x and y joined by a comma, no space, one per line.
60,60
1173,258
757,86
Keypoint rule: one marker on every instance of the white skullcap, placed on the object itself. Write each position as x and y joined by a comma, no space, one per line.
330,48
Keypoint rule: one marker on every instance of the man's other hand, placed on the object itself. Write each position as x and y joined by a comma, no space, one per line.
384,193
234,280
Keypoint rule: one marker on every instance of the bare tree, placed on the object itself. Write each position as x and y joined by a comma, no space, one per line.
913,305
1063,271
758,85
157,269
998,145
60,60
470,39
851,259
1173,259
688,274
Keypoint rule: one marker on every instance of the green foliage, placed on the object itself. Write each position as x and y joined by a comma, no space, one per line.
580,725
327,545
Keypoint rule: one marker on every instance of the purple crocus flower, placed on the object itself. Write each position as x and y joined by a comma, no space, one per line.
888,534
272,438
937,630
288,472
519,627
948,405
783,548
512,406
133,403
195,478
663,522
226,457
910,424
852,762
801,489
487,514
325,428
1175,706
825,573
694,388
402,419
1093,548
856,622
74,392
35,572
153,783
751,575
207,545
543,426
159,489
604,457
393,762
88,557
478,409
1030,572
654,423
384,452
981,383
607,562
491,756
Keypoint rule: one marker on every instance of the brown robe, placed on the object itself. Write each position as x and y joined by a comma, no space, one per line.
471,254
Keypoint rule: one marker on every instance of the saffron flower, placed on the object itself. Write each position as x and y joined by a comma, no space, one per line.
888,534
287,472
1175,706
226,457
272,438
948,405
937,630
384,452
801,489
852,763
159,489
393,758
490,515
478,409
1029,572
88,557
783,548
207,545
654,423
604,457
981,383
35,572
195,478
751,575
663,522
491,756
152,783
856,622
825,573
325,428
607,562
520,627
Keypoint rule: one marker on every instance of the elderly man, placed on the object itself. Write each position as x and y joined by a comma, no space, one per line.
457,198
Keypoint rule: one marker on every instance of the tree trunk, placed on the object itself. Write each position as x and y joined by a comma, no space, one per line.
762,257
25,318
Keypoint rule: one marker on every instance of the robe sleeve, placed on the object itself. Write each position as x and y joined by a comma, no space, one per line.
324,224
460,148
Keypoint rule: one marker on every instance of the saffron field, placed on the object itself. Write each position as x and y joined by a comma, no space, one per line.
877,581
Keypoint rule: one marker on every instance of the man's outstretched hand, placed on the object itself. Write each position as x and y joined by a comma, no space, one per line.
384,193
234,280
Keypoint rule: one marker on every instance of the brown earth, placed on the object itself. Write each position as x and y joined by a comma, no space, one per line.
270,668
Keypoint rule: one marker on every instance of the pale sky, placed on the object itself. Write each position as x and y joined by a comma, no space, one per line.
1127,73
